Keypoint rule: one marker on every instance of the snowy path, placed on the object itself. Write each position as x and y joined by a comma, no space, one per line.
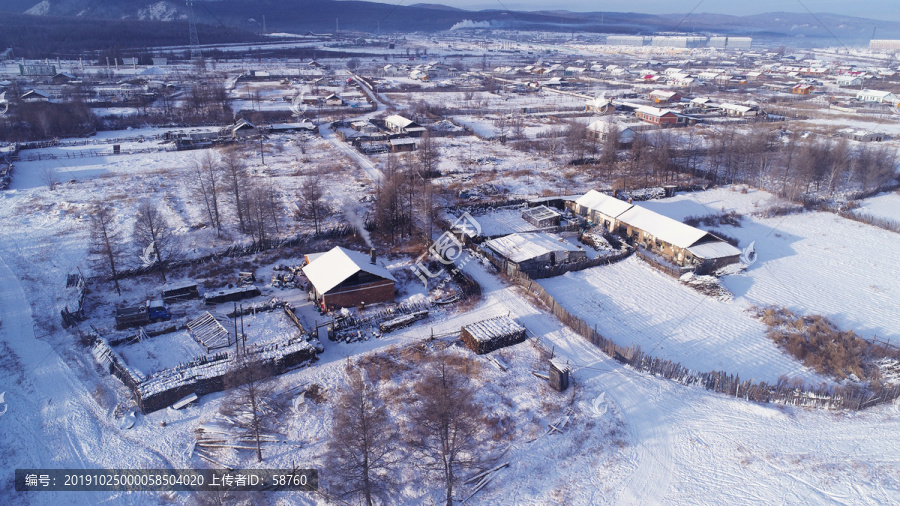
362,160
53,421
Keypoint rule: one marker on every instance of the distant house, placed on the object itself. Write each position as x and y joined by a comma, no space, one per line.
656,116
599,105
62,78
737,110
33,96
702,103
600,130
860,135
398,124
402,145
848,80
803,89
333,100
346,278
529,251
881,97
242,128
664,97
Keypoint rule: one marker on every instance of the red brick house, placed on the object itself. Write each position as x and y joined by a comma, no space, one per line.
347,278
658,116
664,97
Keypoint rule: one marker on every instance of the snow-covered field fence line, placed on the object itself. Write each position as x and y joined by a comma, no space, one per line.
239,250
93,153
838,397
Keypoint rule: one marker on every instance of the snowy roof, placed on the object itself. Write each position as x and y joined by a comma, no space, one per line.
662,93
334,267
399,121
604,204
653,111
405,140
540,213
487,330
662,227
736,107
715,249
523,247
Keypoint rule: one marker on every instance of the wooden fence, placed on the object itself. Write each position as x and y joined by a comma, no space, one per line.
846,397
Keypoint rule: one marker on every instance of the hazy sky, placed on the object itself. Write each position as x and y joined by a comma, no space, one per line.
877,9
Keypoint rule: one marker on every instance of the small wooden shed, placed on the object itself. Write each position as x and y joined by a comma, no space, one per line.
559,375
489,335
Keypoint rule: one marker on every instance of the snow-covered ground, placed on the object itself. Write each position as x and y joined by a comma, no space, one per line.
885,205
812,263
632,303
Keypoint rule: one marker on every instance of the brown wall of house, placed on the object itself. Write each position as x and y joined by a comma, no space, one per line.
379,291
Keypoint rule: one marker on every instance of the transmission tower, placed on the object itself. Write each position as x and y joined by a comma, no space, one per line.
195,40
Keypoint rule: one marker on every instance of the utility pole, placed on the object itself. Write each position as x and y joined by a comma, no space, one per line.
192,28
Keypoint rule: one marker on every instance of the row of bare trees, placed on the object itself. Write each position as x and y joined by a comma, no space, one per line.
406,200
440,425
221,181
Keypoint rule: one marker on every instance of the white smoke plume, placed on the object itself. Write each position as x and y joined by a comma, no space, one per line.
351,214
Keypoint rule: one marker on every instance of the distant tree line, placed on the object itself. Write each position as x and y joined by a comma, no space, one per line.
52,36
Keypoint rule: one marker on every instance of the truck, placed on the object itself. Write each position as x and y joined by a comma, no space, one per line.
142,314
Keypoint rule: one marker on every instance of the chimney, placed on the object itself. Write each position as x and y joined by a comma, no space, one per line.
372,255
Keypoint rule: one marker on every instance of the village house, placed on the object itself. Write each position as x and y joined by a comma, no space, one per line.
398,124
241,129
402,145
860,135
599,130
32,96
664,97
881,97
848,80
736,110
803,89
656,116
530,251
347,278
599,105
601,209
674,241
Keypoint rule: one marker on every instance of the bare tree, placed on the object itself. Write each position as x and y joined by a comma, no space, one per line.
448,425
312,193
501,124
152,230
428,156
250,396
236,181
51,178
206,175
106,242
362,448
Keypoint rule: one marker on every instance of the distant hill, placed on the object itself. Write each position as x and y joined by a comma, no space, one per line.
243,17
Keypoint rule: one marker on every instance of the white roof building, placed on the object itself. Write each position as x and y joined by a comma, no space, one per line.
528,247
876,96
332,268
